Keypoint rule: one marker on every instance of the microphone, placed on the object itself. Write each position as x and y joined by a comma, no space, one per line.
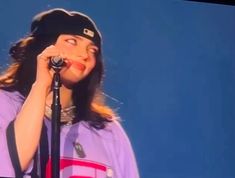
56,62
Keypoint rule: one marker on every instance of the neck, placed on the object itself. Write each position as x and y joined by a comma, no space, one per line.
65,97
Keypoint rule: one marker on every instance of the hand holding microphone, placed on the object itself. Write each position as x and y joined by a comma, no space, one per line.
48,60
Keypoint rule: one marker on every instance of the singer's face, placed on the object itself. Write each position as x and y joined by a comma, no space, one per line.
79,54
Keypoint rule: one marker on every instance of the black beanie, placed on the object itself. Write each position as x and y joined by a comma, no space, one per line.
61,21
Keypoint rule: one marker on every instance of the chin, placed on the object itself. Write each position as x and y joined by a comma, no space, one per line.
71,77
69,82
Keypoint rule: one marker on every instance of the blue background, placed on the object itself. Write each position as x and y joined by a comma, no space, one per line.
170,73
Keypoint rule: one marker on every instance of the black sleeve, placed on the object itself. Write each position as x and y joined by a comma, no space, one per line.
11,143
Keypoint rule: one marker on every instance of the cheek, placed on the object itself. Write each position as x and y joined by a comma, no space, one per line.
92,64
63,47
89,68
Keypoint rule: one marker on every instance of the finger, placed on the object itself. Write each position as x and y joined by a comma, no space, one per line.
50,51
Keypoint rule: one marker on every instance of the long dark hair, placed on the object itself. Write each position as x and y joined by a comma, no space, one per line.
87,94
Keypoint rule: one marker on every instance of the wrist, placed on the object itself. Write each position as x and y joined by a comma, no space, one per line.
41,87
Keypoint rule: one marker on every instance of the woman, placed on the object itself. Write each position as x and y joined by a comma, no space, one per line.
93,144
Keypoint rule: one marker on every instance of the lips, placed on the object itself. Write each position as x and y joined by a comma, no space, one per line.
78,65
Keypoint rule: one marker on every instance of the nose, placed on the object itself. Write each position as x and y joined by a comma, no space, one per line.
83,54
